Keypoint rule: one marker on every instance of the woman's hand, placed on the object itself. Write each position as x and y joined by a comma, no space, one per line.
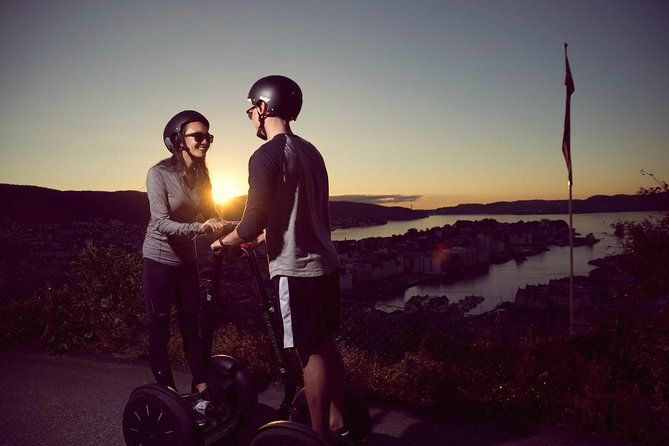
218,226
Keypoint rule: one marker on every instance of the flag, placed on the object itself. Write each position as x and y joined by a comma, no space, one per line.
566,137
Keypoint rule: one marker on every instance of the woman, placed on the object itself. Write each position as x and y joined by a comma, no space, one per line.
179,191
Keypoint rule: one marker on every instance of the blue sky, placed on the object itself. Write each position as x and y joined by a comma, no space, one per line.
453,101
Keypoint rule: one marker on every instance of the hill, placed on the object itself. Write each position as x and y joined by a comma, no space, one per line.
596,203
39,204
32,203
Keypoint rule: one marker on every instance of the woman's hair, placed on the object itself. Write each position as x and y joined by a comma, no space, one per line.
177,164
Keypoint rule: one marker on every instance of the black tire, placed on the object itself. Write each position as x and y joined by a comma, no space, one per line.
153,418
230,371
285,433
356,413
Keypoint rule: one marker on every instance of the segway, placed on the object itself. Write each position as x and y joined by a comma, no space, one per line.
158,415
293,429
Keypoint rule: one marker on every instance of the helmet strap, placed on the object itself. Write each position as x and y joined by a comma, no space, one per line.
261,133
181,145
179,141
185,148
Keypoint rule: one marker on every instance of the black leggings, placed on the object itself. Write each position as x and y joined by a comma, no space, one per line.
162,285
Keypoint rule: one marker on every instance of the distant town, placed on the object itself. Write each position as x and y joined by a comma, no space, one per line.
35,254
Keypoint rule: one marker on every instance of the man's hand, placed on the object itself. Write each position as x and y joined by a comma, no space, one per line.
217,245
232,239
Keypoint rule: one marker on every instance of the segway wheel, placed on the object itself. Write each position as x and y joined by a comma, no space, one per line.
153,418
356,412
233,382
285,433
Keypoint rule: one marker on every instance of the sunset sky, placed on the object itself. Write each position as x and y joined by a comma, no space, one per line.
444,101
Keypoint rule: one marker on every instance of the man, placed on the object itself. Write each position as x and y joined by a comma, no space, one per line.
288,200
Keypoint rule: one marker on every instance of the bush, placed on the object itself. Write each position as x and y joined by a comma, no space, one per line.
646,246
101,309
21,321
561,380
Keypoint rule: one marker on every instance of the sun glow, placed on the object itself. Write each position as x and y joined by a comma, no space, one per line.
224,190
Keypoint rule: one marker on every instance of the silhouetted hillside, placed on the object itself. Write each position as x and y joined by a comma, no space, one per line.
596,203
338,209
39,204
32,203
345,209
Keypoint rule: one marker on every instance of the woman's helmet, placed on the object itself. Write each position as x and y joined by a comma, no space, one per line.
281,94
172,136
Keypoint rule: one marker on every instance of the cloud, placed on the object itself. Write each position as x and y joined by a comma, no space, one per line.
377,199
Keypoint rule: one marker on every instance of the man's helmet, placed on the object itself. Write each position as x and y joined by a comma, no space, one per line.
172,136
281,94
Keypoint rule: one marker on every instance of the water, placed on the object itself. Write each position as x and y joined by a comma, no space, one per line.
500,282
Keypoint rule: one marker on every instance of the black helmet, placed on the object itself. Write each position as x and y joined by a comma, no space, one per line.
281,94
172,134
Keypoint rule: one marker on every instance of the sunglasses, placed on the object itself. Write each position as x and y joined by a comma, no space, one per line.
199,137
249,112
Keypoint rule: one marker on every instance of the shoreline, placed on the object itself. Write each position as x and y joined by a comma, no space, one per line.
400,283
336,227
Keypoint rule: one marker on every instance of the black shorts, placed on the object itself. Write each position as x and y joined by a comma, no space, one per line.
309,310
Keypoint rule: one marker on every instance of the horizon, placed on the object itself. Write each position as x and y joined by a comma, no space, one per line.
378,200
443,102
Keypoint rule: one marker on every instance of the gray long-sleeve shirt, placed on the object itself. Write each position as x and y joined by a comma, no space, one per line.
175,209
288,196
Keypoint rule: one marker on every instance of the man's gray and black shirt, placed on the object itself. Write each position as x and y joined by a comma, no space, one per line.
288,196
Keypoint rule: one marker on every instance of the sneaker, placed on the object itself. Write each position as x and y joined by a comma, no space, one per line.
343,437
201,401
201,405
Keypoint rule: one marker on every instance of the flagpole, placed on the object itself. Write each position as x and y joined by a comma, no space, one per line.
570,185
571,266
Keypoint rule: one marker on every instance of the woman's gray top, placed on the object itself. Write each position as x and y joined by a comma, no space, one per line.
175,209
